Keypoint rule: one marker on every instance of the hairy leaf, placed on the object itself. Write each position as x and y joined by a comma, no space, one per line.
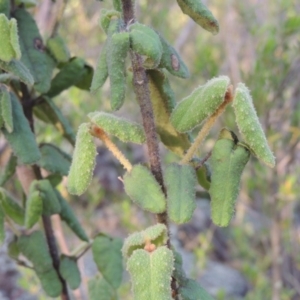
146,42
83,162
33,209
172,61
141,186
69,271
41,260
101,71
19,70
156,234
249,126
151,274
100,289
68,76
58,49
9,169
200,14
70,218
11,208
7,52
54,160
125,130
22,140
108,257
5,7
117,48
202,103
14,38
6,110
51,203
227,161
34,56
163,103
180,182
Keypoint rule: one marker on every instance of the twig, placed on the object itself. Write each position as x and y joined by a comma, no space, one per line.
100,134
141,89
26,97
202,162
207,126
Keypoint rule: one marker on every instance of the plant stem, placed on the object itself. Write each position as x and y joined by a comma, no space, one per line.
27,107
100,134
207,126
141,88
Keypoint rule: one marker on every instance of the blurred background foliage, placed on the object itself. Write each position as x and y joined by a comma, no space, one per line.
258,256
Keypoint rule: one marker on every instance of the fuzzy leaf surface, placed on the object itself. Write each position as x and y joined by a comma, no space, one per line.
125,130
83,161
151,274
227,161
108,257
249,126
22,140
200,104
180,182
141,186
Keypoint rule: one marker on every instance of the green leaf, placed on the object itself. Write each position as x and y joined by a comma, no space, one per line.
172,61
19,70
106,17
202,103
7,52
68,76
58,49
86,78
117,48
99,289
200,14
9,169
34,56
204,176
6,110
151,274
101,71
163,103
41,260
48,112
22,140
180,182
5,7
83,162
143,189
51,203
2,228
249,126
70,218
192,290
146,42
156,234
11,208
33,209
125,130
227,162
54,160
14,38
108,257
69,271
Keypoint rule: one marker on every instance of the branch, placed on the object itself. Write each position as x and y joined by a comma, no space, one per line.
36,174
